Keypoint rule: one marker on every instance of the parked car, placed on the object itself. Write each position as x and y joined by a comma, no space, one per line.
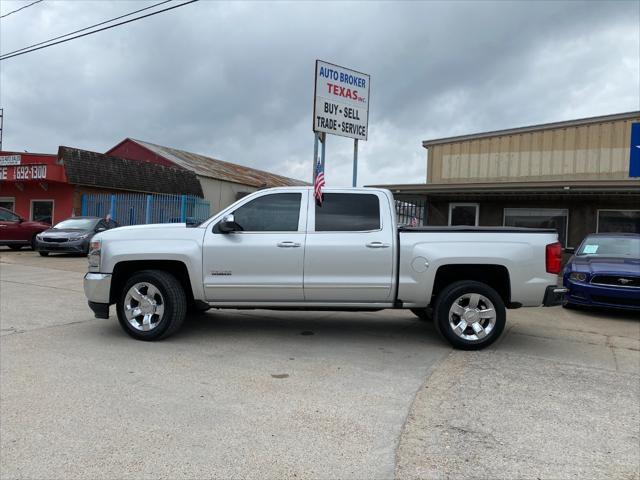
71,235
604,272
16,232
277,249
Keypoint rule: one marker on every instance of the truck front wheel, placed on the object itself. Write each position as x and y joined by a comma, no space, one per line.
152,305
469,315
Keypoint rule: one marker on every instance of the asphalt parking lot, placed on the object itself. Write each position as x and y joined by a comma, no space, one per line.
260,394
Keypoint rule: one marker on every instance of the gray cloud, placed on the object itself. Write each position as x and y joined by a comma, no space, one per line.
235,80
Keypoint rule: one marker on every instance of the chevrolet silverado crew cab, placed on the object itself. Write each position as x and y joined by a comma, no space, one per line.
278,249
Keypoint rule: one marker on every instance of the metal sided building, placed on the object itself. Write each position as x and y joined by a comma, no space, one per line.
572,175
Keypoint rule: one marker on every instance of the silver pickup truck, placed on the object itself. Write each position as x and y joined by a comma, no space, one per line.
278,249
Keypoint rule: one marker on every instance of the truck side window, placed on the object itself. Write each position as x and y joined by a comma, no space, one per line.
348,212
278,212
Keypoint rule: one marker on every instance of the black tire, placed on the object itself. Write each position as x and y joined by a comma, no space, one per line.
445,301
44,254
424,314
15,247
174,300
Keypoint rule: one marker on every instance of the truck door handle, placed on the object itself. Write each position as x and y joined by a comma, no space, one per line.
288,245
378,245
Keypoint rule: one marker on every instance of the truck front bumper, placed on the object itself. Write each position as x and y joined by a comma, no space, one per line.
97,287
553,296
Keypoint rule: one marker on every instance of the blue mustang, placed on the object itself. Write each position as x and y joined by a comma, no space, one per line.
604,272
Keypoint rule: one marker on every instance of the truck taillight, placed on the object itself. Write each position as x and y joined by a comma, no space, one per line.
553,258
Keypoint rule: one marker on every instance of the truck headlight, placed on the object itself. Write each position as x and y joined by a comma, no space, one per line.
95,251
578,276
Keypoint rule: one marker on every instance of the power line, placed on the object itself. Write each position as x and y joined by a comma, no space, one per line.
18,9
7,56
83,29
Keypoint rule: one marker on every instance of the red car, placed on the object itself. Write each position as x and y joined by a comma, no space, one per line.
16,232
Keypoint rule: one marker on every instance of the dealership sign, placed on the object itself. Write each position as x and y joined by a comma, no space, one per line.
10,160
341,101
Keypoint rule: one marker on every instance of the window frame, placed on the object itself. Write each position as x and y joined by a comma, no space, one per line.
311,213
611,210
452,205
11,200
53,208
211,225
566,227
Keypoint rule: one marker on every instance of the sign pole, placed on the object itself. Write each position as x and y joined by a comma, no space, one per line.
323,139
315,156
355,163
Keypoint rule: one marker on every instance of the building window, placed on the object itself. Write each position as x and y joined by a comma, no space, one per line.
556,218
42,211
618,221
463,214
8,202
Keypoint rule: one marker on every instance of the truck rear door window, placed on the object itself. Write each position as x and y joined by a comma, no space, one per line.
348,212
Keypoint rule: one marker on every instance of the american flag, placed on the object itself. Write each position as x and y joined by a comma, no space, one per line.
318,183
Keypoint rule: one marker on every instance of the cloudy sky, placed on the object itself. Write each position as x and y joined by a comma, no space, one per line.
234,80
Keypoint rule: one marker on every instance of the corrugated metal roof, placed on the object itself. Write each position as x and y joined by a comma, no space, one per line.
533,128
218,169
100,170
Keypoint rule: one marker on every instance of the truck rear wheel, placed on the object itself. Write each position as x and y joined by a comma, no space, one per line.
152,305
469,315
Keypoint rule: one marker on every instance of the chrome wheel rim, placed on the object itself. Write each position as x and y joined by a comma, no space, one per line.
144,306
472,317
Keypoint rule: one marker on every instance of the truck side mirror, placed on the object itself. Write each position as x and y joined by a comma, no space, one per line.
229,225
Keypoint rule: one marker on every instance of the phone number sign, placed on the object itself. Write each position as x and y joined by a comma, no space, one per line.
23,172
341,101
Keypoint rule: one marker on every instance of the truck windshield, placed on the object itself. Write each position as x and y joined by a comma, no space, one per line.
611,246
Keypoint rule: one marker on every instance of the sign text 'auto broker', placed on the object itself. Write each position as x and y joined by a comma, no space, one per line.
341,101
